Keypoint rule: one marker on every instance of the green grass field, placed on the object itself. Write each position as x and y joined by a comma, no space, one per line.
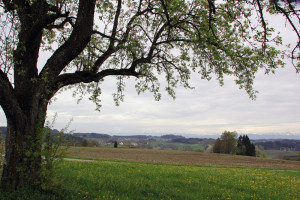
128,180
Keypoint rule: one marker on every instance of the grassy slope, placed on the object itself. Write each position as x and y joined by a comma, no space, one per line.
179,157
126,180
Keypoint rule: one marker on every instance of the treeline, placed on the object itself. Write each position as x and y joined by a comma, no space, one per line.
280,144
228,143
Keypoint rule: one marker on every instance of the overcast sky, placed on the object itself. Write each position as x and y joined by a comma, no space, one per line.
208,109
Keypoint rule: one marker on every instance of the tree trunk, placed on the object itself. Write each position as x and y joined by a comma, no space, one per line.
25,101
22,164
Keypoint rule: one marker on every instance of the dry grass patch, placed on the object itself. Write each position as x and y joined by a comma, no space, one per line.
179,157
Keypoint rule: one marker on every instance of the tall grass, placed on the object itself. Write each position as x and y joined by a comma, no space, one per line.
131,180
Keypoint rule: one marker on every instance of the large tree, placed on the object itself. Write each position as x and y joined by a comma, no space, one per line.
148,39
228,142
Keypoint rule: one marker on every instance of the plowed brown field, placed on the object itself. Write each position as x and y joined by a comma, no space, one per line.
178,157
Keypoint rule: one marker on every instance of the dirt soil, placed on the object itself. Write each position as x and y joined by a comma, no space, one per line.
179,157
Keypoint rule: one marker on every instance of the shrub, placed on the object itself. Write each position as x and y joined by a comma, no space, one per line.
116,144
260,152
84,143
54,150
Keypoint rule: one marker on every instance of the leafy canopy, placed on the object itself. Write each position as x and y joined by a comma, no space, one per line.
150,39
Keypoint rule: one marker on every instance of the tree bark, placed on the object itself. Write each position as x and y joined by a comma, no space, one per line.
22,164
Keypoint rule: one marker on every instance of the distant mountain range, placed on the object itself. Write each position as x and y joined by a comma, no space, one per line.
252,136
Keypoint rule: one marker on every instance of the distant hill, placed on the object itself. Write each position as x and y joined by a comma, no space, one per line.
171,137
73,138
279,144
187,140
93,135
141,137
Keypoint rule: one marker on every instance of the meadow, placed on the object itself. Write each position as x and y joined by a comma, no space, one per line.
132,180
114,178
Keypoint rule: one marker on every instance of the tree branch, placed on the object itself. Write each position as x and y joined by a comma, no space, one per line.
263,23
44,23
8,5
116,21
287,17
77,41
212,10
8,100
62,24
88,77
113,38
106,36
280,9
